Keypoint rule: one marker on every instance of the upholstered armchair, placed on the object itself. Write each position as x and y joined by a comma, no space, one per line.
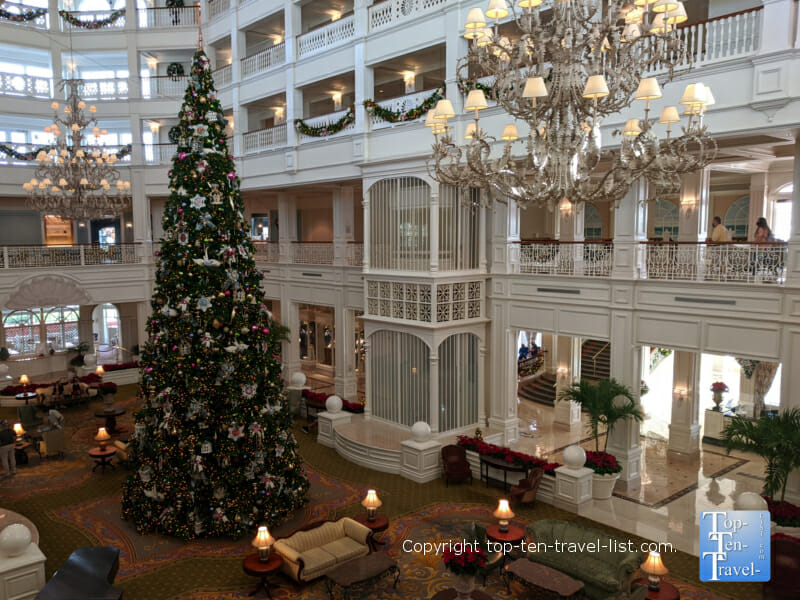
53,442
27,416
785,559
525,491
455,465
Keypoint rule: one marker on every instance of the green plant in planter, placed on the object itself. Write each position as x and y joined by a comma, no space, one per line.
4,353
776,439
606,403
82,348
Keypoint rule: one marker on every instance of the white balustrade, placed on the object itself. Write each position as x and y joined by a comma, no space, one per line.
223,76
731,262
355,255
14,84
308,253
25,257
264,60
104,89
159,154
167,18
403,103
40,22
164,86
92,16
264,139
325,120
582,259
268,252
386,14
325,37
217,8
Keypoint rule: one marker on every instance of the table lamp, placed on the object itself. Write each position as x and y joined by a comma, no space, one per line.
654,568
100,370
504,514
19,431
372,503
24,380
263,541
102,437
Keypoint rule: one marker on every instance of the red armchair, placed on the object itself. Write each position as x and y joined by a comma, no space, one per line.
525,491
785,564
455,465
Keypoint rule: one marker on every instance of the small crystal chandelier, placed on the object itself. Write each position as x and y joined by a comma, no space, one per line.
573,63
74,180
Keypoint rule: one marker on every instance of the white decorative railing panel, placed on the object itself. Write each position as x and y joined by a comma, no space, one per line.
309,253
13,84
268,252
355,254
325,120
264,60
583,259
217,8
104,89
164,86
159,154
386,14
264,139
223,76
167,18
325,37
25,257
403,103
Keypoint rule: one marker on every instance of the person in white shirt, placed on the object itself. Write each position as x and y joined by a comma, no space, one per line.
719,233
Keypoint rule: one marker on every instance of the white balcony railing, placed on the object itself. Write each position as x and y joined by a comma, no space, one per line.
310,253
25,257
730,262
583,259
325,37
13,84
217,8
327,120
92,16
268,252
264,139
167,18
403,103
104,89
264,60
223,76
390,12
164,86
159,154
40,22
355,254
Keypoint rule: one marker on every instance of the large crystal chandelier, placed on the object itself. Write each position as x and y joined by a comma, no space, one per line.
74,180
571,64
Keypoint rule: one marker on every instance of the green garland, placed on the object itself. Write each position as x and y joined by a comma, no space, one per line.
75,22
31,15
28,156
330,128
391,116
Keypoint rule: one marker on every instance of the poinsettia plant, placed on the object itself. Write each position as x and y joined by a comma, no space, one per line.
506,454
719,386
602,463
783,513
466,562
107,387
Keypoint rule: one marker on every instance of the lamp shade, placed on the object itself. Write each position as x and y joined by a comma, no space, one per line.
710,100
18,430
669,115
653,565
695,93
643,2
595,87
634,15
529,3
484,38
24,380
662,6
102,435
470,132
371,501
534,88
497,9
632,128
510,133
660,24
444,109
430,121
631,33
648,89
503,511
677,15
263,539
475,100
475,19
100,370
439,128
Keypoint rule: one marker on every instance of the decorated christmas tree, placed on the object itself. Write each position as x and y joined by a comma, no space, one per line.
212,449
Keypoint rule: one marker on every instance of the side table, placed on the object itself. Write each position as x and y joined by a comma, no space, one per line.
26,396
253,566
666,591
102,456
452,594
510,539
376,526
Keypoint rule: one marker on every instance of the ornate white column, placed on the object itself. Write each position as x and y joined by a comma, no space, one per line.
346,382
365,209
504,231
367,379
482,352
503,378
568,370
630,230
343,223
684,427
434,389
433,233
793,258
569,228
287,232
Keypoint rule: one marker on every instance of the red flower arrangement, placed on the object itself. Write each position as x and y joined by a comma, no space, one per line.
783,513
466,562
120,366
321,397
719,386
506,454
107,387
602,463
13,390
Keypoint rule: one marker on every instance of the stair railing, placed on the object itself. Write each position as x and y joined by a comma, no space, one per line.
596,354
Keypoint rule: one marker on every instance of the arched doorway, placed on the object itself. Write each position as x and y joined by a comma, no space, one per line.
107,333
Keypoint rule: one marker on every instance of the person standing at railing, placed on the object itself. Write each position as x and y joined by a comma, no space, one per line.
763,232
719,233
761,262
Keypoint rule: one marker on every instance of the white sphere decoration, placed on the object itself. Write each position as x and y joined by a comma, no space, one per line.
15,539
298,380
333,404
574,457
750,501
421,431
90,360
3,368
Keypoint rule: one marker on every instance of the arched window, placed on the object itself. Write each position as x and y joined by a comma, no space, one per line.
26,330
592,223
22,331
458,381
665,221
738,216
61,324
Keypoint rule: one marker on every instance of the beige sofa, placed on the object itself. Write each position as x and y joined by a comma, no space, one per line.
312,553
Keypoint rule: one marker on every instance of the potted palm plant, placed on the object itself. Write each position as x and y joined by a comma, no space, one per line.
606,403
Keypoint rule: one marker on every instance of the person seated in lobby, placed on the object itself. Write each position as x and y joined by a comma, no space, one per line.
56,419
58,390
76,388
7,457
719,233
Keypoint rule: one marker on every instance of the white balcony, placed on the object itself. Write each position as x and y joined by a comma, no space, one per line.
164,86
325,37
104,89
223,76
264,60
583,259
217,8
268,252
27,257
13,84
326,120
264,139
167,18
92,16
40,22
387,14
355,254
159,154
312,253
403,103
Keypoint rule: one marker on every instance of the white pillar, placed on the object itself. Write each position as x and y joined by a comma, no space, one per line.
343,223
684,427
482,239
776,26
365,210
504,231
630,230
760,204
433,234
482,385
346,381
287,232
290,316
503,378
693,216
569,228
793,258
434,389
568,370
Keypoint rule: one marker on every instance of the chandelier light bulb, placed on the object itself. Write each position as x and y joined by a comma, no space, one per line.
67,110
475,19
92,109
54,106
632,128
534,88
27,186
103,131
669,115
648,89
677,15
596,87
62,182
444,109
95,131
476,100
644,3
84,181
75,127
497,9
127,185
510,133
81,104
55,189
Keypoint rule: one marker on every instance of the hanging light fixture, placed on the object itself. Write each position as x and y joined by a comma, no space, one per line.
74,180
570,66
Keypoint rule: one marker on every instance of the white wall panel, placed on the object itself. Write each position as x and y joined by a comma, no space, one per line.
751,340
668,332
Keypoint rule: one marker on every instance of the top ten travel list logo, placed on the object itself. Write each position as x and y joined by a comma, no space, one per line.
734,545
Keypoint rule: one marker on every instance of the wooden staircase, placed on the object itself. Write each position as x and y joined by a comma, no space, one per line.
541,390
595,360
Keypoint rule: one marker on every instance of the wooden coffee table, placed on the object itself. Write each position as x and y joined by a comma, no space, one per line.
360,572
110,415
254,567
102,456
542,579
666,591
452,594
378,525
